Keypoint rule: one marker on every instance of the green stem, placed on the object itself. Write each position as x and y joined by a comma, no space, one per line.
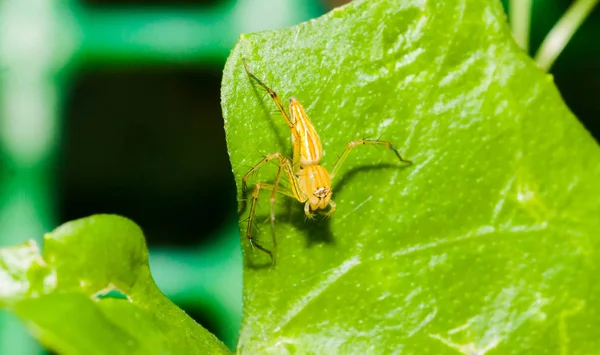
520,21
561,33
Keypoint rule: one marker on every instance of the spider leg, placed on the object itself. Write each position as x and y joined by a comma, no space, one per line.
274,189
332,208
355,143
284,163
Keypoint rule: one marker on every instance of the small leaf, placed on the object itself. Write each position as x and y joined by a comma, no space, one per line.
91,292
488,241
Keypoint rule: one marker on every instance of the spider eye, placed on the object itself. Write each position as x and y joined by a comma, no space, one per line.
321,192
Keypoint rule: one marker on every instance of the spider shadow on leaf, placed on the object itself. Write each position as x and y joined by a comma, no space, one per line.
350,174
316,231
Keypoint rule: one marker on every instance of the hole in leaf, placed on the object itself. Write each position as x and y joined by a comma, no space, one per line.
111,292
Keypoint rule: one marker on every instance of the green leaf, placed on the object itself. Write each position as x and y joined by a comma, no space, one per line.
91,292
488,241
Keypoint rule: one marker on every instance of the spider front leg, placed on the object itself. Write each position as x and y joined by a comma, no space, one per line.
264,186
310,215
332,208
358,142
249,236
284,163
307,211
284,166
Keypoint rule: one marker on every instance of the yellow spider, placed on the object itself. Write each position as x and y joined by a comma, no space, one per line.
310,183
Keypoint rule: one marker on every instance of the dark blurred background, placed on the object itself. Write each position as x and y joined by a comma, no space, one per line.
137,131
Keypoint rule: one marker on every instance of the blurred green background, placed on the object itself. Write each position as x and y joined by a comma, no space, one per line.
112,106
